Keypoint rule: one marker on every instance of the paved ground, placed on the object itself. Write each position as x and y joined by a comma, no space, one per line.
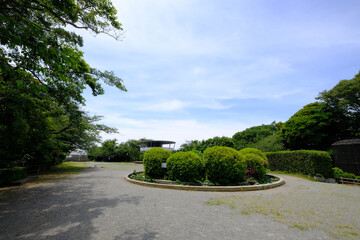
99,204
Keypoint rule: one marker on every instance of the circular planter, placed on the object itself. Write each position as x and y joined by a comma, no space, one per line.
278,183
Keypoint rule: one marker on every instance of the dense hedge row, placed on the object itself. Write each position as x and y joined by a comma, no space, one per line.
308,162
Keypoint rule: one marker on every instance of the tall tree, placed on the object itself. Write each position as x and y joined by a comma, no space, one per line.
252,135
344,102
312,127
43,74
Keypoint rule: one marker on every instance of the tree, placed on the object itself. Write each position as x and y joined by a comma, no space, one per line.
271,143
252,135
344,102
43,75
312,127
111,151
201,146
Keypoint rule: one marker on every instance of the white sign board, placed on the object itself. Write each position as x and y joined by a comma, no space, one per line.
163,165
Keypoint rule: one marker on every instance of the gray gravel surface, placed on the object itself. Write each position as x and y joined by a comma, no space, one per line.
99,204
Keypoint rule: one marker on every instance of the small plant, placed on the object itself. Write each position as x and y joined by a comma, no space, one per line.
140,176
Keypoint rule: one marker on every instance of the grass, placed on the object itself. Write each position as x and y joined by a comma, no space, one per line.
331,208
64,170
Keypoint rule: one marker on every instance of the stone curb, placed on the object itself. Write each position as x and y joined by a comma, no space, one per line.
278,183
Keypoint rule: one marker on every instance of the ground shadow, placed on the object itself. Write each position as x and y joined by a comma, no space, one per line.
61,210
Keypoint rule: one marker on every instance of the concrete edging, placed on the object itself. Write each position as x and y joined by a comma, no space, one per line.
278,183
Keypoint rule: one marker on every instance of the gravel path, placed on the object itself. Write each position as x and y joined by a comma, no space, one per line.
99,204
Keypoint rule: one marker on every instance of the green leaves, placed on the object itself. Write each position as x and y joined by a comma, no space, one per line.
43,74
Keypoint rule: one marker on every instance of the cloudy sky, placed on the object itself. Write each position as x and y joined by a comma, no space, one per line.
196,69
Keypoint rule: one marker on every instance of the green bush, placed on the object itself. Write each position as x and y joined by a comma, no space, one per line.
348,175
337,172
152,162
185,167
9,175
255,166
256,151
224,166
308,162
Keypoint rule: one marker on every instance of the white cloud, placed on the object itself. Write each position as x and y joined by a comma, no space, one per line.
179,64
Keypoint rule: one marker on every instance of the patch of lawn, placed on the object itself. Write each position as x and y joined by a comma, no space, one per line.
331,208
60,171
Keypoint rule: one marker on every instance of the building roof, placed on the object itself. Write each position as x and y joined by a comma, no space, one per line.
347,142
161,141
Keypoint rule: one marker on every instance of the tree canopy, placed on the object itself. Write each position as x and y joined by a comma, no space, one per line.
309,128
43,75
344,102
336,116
252,135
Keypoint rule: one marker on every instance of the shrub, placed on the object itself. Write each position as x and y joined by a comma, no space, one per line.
255,166
224,165
308,162
348,175
256,151
152,162
185,167
9,175
337,172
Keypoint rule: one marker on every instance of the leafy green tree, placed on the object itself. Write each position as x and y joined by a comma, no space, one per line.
42,77
201,146
252,135
111,151
312,127
272,143
344,101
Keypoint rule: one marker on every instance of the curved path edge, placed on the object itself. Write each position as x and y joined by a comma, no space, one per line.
278,183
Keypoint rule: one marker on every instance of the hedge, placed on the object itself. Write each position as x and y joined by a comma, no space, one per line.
185,167
308,162
153,158
9,175
224,166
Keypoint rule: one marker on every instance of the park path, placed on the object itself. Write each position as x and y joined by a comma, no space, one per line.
99,204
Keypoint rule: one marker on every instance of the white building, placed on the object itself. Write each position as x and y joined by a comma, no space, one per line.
146,145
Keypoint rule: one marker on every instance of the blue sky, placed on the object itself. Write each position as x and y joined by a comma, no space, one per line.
196,69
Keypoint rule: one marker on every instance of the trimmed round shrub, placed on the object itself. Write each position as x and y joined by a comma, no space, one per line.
256,151
254,166
185,167
224,166
152,162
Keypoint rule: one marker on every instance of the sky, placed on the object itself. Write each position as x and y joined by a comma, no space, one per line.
196,69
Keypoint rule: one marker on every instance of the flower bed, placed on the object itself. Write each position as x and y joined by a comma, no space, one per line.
140,179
